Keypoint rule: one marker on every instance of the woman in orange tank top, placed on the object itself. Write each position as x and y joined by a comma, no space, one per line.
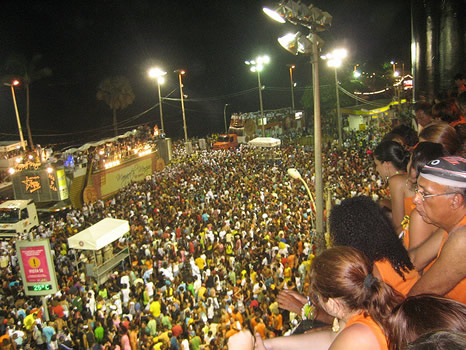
360,223
342,283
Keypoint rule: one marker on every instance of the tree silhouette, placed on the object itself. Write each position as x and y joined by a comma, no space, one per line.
117,93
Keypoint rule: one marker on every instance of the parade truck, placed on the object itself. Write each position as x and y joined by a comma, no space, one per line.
226,141
17,218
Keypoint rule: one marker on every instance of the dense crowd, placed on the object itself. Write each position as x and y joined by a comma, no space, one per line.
213,237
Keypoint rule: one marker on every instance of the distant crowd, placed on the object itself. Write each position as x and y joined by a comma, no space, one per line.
214,238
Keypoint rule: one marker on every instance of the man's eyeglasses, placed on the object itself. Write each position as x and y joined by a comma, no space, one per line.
424,196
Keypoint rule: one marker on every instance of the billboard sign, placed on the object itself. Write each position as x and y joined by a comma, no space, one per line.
41,185
37,268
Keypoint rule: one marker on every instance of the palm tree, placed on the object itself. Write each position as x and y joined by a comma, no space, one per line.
26,72
117,93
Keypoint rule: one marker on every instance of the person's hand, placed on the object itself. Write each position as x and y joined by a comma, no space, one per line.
242,340
291,300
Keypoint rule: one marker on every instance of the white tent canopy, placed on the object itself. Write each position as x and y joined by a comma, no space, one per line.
265,142
99,235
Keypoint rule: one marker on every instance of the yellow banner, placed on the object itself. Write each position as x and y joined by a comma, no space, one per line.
116,178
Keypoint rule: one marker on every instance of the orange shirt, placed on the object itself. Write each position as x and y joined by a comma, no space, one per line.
393,279
277,322
375,328
458,122
260,328
459,292
409,205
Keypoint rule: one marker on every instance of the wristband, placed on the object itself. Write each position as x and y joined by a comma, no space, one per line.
308,311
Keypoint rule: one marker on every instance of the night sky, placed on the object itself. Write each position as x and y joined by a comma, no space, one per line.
84,42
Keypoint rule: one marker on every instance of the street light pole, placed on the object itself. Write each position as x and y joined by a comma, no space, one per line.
180,73
18,120
335,60
340,136
260,101
317,145
160,105
225,116
256,66
315,20
292,66
158,74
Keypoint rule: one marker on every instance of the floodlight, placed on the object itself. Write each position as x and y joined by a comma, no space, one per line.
274,14
340,53
156,73
335,63
296,43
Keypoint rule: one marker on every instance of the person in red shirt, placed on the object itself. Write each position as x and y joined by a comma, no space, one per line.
177,330
57,309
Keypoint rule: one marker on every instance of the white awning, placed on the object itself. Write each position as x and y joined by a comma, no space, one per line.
99,235
265,142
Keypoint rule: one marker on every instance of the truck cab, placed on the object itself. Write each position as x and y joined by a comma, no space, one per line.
17,217
226,141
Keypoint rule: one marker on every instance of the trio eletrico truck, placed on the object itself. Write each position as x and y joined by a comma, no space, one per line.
17,218
226,141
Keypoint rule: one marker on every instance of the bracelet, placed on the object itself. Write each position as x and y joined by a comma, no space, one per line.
308,311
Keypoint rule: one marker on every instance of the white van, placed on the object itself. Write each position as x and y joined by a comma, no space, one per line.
17,217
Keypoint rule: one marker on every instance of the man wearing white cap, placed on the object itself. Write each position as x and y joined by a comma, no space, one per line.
441,200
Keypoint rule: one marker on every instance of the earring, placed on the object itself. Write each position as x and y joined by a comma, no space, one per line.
336,325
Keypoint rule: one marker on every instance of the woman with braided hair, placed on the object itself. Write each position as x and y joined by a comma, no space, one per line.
344,285
360,223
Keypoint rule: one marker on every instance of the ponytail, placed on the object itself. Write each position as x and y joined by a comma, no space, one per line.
393,152
382,299
346,273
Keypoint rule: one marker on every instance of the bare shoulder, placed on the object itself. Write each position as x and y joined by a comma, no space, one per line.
358,336
457,238
398,181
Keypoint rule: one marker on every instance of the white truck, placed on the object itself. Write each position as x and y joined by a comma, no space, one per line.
17,218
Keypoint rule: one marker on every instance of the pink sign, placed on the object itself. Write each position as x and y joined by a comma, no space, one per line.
35,264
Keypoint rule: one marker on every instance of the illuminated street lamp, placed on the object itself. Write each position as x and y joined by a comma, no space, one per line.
334,60
257,66
291,67
316,21
294,173
393,63
12,86
157,73
180,73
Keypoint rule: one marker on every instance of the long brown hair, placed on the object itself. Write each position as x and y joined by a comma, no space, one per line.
423,313
341,272
445,135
